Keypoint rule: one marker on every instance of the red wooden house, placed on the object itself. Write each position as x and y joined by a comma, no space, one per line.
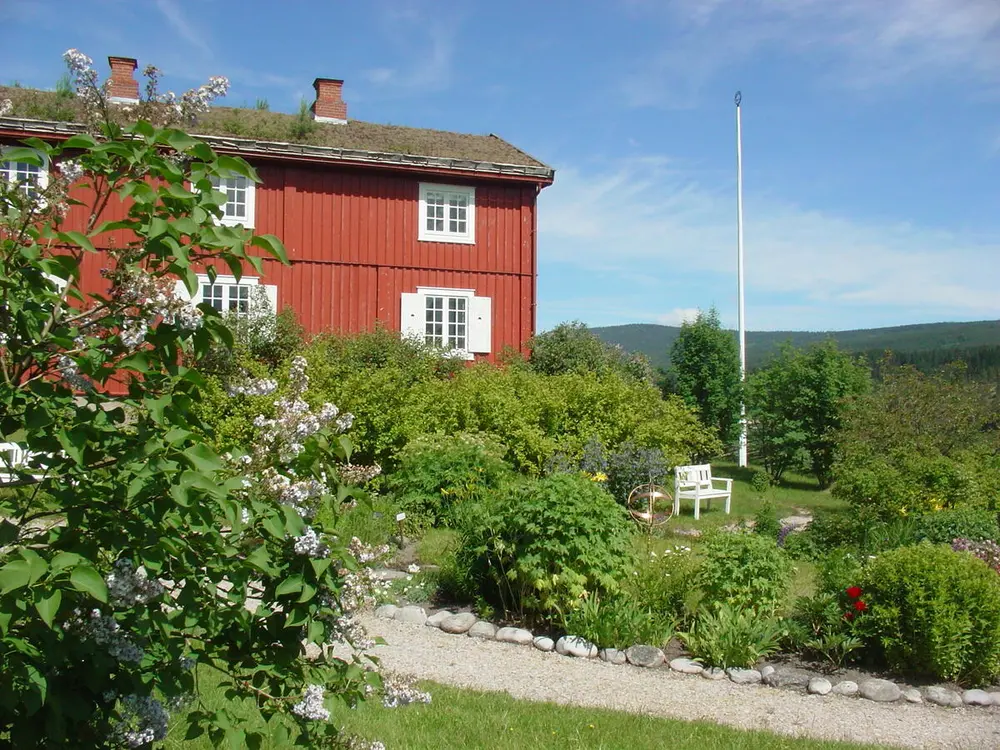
430,232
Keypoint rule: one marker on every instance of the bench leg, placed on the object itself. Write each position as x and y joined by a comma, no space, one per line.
728,500
697,508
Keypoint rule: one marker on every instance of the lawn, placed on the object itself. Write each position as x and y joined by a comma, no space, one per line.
469,719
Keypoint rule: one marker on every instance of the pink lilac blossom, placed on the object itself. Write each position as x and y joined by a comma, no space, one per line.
105,631
309,544
398,690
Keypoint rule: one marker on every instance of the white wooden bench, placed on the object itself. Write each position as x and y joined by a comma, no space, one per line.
12,458
697,483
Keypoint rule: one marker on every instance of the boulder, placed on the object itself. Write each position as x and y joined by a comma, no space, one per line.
766,670
977,698
483,629
685,666
713,673
519,636
543,643
435,620
819,686
613,656
744,676
880,691
645,656
845,687
787,677
942,696
387,611
411,615
912,695
459,623
574,645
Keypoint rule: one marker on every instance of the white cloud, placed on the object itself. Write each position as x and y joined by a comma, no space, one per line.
184,28
858,44
644,217
427,47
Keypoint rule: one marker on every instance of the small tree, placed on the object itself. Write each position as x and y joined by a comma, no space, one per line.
796,404
574,348
705,372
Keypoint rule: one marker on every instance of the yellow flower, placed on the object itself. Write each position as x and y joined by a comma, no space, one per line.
600,477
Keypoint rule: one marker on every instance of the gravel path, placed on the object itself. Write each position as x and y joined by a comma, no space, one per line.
529,674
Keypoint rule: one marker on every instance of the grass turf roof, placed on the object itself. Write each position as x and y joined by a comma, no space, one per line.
263,125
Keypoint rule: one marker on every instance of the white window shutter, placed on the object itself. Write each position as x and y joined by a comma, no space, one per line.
411,321
181,291
271,290
481,325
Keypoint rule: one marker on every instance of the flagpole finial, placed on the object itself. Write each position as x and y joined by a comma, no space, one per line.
738,98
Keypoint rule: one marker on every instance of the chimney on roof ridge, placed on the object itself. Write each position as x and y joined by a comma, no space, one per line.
329,105
123,88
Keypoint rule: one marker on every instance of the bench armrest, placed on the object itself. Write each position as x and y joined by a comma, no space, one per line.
727,480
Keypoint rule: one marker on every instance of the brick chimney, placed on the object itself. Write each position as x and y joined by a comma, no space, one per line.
123,88
329,105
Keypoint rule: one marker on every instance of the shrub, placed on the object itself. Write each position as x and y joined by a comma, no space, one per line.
535,550
667,583
987,551
574,348
934,611
760,482
618,621
765,521
825,623
631,465
438,474
945,526
745,570
732,636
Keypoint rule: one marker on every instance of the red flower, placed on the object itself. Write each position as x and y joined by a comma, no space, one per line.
860,606
848,615
854,591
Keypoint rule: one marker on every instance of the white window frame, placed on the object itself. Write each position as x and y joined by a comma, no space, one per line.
227,282
8,170
249,204
478,320
449,193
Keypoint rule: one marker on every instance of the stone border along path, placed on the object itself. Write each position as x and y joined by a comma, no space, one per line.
462,651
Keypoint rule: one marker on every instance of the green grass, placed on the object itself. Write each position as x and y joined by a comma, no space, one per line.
794,495
436,545
469,719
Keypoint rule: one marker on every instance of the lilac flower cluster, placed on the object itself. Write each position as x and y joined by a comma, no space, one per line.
128,586
144,720
81,68
70,372
988,551
155,297
105,631
358,475
254,387
299,495
6,107
71,170
309,544
398,690
783,533
311,706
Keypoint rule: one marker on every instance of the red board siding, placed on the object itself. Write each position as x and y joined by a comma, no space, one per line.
351,236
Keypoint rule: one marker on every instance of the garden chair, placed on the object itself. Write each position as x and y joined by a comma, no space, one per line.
697,483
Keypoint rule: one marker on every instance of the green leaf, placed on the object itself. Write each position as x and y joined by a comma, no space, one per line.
27,155
64,560
272,245
84,578
48,606
291,585
37,567
177,139
76,238
80,140
73,443
14,575
203,458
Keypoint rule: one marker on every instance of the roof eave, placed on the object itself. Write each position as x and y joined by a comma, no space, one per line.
310,153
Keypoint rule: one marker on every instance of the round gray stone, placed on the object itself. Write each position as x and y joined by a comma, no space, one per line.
459,623
977,698
411,615
766,670
435,620
543,643
819,686
574,645
912,695
613,656
787,677
744,676
685,666
880,691
845,687
519,636
483,629
713,673
942,696
645,656
387,611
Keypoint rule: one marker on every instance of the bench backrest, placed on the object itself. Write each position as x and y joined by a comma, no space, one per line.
698,474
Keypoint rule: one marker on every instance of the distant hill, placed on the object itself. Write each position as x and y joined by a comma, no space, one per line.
928,342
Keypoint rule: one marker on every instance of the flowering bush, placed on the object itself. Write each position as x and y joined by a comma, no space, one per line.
988,551
931,610
132,552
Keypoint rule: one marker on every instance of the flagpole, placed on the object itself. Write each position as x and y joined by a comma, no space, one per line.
739,273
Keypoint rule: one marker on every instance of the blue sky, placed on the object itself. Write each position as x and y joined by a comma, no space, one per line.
871,132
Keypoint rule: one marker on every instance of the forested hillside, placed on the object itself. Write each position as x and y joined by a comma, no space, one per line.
926,346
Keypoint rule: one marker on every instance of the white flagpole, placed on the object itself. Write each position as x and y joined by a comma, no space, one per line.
739,273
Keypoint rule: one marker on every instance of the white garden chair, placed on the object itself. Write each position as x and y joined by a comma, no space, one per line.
697,483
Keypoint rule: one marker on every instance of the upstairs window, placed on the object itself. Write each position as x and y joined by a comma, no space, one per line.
240,199
447,213
30,177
